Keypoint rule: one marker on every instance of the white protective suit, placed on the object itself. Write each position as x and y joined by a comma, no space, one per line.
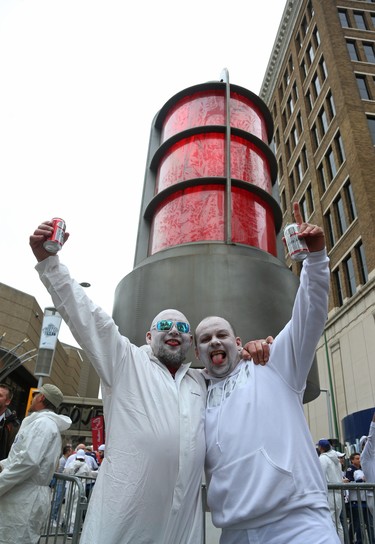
331,467
261,460
148,488
79,469
25,495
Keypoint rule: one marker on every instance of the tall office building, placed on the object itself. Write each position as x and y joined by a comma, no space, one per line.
320,88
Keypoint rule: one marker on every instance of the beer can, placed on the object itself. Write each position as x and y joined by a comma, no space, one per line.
297,247
56,240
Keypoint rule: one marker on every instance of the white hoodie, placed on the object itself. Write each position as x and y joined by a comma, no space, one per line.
261,460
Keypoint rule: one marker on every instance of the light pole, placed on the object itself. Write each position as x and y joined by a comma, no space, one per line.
47,345
329,412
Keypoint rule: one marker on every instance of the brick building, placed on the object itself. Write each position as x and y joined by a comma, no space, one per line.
320,88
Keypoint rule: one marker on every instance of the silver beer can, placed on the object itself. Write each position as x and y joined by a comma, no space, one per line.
297,247
56,240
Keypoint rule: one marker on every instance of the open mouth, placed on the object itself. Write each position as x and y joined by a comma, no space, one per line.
172,342
218,357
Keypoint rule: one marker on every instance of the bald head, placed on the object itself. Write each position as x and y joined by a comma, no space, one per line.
169,337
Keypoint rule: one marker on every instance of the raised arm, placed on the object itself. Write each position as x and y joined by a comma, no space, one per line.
294,348
93,329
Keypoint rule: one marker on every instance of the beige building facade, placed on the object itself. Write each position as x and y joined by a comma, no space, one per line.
21,321
320,88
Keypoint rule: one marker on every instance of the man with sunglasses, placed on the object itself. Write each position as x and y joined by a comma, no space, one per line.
265,480
148,488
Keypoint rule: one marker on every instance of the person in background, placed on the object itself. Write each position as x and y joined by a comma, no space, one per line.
25,495
331,467
9,423
357,502
91,460
368,466
79,468
101,451
60,485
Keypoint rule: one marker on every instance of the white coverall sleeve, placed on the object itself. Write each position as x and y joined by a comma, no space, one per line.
32,446
368,453
94,330
294,348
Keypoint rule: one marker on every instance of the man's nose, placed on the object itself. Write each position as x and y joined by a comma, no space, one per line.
215,341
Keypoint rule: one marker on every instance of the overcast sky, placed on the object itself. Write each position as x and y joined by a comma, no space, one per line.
80,82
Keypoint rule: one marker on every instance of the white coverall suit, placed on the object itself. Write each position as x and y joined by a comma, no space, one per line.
148,489
25,495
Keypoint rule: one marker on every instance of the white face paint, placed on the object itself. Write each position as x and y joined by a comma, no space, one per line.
170,347
216,346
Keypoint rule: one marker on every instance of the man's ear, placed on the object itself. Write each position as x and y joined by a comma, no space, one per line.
148,337
196,353
238,341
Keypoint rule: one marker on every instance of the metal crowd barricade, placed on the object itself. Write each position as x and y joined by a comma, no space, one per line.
356,502
71,495
69,501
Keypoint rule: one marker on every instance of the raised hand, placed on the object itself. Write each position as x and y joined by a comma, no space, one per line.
41,234
313,235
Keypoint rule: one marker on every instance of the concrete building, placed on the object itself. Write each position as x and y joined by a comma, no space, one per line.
320,88
20,325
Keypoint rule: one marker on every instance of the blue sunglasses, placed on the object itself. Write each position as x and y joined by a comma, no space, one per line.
167,324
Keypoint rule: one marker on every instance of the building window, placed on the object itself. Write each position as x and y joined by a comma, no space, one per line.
316,38
331,106
329,228
310,200
316,137
283,201
323,69
277,138
281,168
299,171
323,122
371,125
339,149
369,52
303,206
316,84
306,204
338,287
299,124
305,163
322,178
360,20
350,276
361,259
331,164
352,50
349,197
292,185
340,215
290,105
362,87
344,18
294,135
309,101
